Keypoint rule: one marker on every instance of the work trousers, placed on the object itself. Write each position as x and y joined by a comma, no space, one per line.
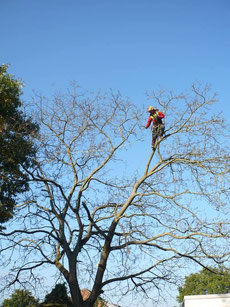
157,131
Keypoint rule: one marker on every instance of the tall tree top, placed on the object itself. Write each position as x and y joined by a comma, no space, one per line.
16,143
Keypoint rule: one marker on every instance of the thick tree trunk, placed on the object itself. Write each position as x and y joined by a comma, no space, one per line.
75,291
79,299
75,295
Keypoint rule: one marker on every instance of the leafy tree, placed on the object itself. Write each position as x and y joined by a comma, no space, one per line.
58,296
213,281
21,298
16,146
107,222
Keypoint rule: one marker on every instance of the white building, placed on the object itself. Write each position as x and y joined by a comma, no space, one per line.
208,300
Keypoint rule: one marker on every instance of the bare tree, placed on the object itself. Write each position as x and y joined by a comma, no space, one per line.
102,229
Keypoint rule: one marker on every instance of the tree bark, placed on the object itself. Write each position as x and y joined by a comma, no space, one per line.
75,292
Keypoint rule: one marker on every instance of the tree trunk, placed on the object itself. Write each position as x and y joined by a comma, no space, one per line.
75,292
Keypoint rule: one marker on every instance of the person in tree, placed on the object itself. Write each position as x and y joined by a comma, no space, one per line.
158,127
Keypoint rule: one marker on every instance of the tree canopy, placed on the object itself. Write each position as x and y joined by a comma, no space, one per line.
58,295
108,225
16,146
212,281
21,298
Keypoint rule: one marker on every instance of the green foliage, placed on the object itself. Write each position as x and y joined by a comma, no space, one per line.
205,282
58,296
21,298
16,144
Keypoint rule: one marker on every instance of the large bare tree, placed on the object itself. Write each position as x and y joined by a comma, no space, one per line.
104,228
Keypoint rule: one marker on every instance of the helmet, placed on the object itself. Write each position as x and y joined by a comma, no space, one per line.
150,108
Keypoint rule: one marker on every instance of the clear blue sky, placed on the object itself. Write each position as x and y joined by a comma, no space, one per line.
130,45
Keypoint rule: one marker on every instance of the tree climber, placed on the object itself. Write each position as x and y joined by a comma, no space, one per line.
158,127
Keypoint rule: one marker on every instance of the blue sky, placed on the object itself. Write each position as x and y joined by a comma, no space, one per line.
130,45
126,45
